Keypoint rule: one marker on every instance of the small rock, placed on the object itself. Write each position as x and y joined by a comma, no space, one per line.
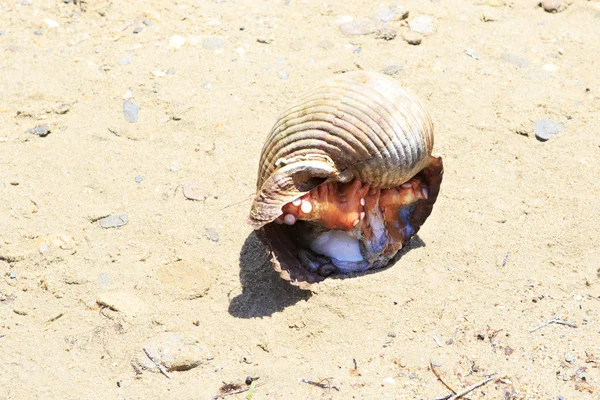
130,111
551,6
358,28
356,50
176,42
104,280
38,32
472,53
212,235
436,364
545,129
114,221
283,74
139,29
392,69
12,275
450,341
508,351
139,179
62,109
422,24
212,43
125,61
50,23
562,398
400,13
385,34
194,191
174,350
42,130
412,38
43,249
147,22
570,358
515,60
263,40
480,336
326,44
384,14
389,381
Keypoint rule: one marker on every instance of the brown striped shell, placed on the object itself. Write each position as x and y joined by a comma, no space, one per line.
357,125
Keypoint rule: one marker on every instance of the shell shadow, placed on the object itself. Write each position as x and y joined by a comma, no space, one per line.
263,290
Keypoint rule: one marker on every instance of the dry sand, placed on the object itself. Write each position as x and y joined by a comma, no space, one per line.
513,241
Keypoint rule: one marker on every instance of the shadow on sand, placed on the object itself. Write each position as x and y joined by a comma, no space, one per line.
263,290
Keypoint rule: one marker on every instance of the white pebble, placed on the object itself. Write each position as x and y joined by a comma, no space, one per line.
176,42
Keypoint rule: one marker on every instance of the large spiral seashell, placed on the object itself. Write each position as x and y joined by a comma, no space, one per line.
347,165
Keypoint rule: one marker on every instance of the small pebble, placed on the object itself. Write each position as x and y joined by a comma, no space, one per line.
412,38
194,191
283,74
114,221
176,42
356,50
562,398
436,364
138,29
125,61
472,53
42,130
38,32
212,235
570,358
392,69
546,129
43,249
450,341
480,336
386,34
139,179
171,71
130,111
147,22
12,275
422,24
400,13
2,33
550,6
384,14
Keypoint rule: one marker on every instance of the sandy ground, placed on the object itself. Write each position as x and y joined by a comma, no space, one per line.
513,241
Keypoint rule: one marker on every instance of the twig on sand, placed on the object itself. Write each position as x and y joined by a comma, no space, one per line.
237,391
159,365
437,375
555,320
321,384
470,389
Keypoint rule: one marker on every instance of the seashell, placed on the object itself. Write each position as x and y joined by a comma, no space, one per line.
346,178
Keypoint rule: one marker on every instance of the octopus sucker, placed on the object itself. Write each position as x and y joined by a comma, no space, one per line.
326,209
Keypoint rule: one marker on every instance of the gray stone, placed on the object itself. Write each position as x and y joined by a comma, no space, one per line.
42,130
392,69
400,12
125,61
147,22
546,129
114,221
212,235
175,351
422,24
138,29
130,111
515,60
139,179
12,275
